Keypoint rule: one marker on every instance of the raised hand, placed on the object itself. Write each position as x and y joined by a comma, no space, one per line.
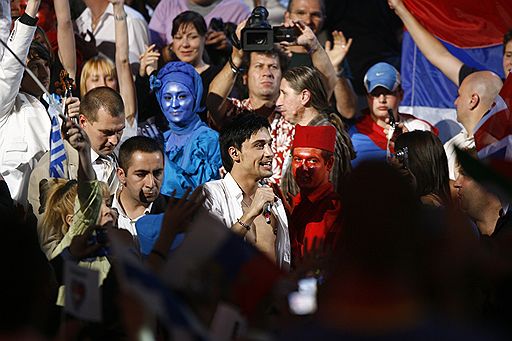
149,129
75,135
395,4
217,39
86,47
262,196
179,212
72,107
149,61
306,39
338,50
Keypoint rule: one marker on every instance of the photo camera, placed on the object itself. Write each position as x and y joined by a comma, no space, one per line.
259,35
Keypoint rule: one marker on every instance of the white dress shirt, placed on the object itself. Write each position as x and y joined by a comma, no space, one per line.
125,222
223,199
104,31
461,140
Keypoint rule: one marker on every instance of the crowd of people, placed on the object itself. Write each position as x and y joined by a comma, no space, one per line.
218,190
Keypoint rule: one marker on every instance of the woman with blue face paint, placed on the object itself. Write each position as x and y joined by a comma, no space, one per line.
191,147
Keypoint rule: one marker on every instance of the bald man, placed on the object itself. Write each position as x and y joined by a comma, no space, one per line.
469,112
475,97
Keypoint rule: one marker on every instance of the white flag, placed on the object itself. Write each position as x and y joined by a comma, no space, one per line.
82,292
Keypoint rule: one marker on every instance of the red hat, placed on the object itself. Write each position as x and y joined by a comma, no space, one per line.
321,137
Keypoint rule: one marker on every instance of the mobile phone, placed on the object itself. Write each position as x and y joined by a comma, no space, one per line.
282,33
392,121
216,24
303,301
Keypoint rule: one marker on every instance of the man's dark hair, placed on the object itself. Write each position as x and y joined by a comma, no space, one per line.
236,132
189,18
38,50
101,97
506,38
275,52
134,144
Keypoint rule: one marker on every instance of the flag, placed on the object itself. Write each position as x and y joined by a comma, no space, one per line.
82,292
57,151
493,134
472,31
215,256
153,293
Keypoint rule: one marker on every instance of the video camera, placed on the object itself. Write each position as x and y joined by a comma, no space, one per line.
259,35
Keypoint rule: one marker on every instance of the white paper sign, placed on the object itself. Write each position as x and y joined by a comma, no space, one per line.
82,292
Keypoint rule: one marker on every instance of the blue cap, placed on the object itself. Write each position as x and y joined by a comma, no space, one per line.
382,74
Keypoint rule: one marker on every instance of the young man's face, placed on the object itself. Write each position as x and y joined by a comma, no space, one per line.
289,103
256,155
507,58
471,195
263,76
308,11
143,178
41,70
105,133
309,168
381,99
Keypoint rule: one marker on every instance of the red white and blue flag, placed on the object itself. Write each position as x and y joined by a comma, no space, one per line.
472,31
493,134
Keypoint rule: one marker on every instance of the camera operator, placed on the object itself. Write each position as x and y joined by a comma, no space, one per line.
261,72
312,13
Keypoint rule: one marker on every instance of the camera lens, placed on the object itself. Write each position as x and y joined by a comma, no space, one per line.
257,38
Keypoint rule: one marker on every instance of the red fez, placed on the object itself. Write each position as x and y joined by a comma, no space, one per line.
321,137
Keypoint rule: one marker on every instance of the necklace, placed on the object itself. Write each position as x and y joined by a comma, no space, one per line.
95,20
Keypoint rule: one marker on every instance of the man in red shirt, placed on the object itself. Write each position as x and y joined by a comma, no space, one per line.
317,207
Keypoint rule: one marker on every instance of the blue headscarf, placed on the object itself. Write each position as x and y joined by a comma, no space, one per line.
182,73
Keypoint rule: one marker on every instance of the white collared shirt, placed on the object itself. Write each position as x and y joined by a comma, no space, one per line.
125,222
138,35
223,199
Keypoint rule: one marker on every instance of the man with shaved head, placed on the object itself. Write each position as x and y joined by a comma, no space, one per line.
477,89
476,96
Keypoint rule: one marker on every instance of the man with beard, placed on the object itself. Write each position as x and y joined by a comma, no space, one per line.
140,172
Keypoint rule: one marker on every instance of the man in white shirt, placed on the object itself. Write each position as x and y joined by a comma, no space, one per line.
102,118
140,171
99,19
241,200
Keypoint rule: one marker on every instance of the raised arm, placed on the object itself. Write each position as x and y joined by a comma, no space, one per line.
65,37
124,73
319,58
431,48
346,102
11,71
223,83
5,22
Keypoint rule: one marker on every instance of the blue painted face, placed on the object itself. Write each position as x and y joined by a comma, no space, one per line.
177,103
